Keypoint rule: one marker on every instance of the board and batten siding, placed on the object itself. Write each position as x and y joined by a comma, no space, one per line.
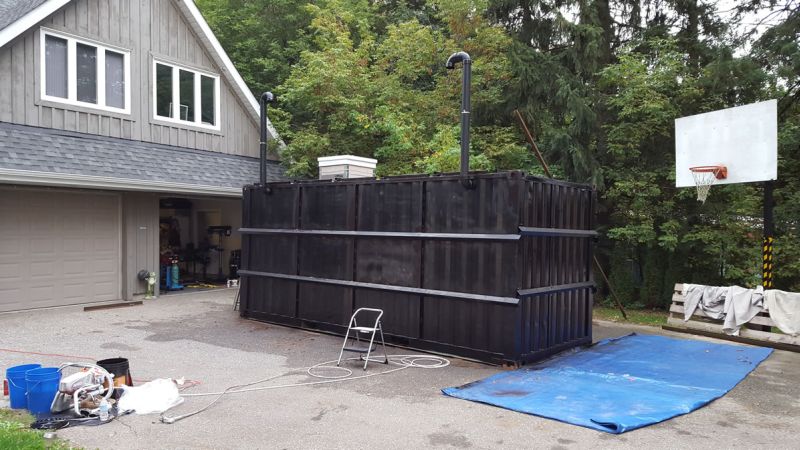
148,29
140,234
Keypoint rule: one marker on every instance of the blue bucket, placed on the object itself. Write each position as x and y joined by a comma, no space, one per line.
42,388
17,386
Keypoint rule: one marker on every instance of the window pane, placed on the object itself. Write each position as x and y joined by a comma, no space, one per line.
163,90
55,66
187,95
207,100
115,79
86,76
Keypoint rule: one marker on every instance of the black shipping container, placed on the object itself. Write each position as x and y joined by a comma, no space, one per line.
496,267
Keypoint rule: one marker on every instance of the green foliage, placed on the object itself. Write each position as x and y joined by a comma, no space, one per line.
599,83
654,318
374,89
263,37
15,433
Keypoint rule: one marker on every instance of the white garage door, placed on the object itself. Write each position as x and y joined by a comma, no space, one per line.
58,248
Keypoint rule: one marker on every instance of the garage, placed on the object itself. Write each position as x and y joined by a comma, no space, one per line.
199,237
58,247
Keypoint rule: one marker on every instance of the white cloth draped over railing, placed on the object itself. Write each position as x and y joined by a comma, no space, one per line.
736,306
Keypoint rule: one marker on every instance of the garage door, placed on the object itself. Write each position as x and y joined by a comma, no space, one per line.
58,248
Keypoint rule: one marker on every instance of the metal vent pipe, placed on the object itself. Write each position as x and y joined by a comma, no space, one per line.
266,98
466,78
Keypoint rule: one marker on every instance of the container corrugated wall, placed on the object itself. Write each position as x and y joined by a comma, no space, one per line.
496,270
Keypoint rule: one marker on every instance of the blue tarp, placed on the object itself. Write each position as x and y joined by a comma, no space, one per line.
621,384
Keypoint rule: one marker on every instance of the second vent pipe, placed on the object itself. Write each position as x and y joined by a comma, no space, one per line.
266,98
466,78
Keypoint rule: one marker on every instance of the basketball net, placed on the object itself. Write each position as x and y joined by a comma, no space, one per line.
705,177
704,181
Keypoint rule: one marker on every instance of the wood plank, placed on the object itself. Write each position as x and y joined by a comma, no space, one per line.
139,31
116,127
174,22
46,117
93,124
70,120
740,339
118,20
18,104
112,305
71,16
758,320
82,16
93,18
159,20
58,18
104,24
744,332
58,118
83,122
179,37
6,85
31,110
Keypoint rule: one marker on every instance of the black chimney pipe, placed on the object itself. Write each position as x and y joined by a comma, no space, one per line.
466,78
265,99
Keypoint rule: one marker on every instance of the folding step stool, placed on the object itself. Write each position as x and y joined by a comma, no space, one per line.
356,345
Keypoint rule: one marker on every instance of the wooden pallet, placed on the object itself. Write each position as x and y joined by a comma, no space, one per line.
701,324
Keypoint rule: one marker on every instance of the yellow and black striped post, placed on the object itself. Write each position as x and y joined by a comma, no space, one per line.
767,267
766,262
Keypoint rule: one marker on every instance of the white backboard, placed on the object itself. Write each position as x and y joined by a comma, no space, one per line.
744,139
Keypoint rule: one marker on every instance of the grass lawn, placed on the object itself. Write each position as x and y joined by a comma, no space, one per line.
654,318
15,432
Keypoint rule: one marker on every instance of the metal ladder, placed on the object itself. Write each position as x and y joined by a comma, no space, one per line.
356,346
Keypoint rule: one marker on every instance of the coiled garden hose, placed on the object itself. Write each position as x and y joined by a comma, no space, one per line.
401,362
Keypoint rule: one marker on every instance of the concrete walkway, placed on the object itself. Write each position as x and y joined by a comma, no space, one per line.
199,337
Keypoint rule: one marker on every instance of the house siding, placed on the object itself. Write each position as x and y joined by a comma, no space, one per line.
140,234
149,29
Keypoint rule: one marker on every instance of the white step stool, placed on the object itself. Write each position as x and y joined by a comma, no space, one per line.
356,346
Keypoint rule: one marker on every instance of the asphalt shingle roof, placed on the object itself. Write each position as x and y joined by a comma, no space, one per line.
13,10
64,152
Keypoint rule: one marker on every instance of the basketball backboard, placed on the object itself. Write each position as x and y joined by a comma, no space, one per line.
744,139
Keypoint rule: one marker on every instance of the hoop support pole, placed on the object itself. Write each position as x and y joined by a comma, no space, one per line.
767,264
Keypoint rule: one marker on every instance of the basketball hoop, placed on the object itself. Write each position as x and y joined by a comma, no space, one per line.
705,177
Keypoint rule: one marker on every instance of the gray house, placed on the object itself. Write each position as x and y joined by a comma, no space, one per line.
126,134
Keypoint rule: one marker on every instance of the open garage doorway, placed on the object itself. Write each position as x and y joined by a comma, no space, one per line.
199,245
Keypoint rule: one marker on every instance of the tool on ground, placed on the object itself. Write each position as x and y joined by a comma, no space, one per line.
83,391
357,330
172,274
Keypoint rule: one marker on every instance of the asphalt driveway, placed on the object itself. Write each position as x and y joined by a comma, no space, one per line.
199,337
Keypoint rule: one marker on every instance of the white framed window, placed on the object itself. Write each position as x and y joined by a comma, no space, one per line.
195,93
84,73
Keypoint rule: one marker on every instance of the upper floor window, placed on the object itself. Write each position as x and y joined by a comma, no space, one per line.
185,95
84,73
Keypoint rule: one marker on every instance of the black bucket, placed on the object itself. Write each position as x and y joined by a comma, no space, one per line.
120,368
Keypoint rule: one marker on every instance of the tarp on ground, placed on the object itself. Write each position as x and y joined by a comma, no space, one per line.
620,384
